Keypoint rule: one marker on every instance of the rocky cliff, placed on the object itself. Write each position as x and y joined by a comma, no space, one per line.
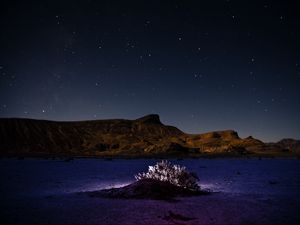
143,137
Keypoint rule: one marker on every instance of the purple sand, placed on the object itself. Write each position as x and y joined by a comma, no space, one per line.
246,191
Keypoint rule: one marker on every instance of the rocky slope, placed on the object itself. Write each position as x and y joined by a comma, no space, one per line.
142,137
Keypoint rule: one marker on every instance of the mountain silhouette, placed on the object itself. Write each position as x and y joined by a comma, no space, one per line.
143,137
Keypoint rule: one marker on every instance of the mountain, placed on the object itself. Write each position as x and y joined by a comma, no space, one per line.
289,145
143,137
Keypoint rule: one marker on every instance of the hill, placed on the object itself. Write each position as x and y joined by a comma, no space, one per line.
143,137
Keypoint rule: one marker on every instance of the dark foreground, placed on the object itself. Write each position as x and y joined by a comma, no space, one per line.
218,209
54,192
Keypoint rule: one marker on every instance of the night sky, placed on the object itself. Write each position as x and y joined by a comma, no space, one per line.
200,65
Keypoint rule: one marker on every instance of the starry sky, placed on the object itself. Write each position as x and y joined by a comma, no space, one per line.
200,65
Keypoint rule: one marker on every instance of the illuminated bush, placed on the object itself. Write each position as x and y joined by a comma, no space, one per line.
174,174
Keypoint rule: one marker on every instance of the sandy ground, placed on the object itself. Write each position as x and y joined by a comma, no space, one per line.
246,192
217,208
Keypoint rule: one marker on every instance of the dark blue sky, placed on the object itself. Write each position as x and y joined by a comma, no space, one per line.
200,65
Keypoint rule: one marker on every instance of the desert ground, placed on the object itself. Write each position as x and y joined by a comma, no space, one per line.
243,191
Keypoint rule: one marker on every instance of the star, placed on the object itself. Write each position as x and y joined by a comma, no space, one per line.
198,75
56,76
147,23
57,18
